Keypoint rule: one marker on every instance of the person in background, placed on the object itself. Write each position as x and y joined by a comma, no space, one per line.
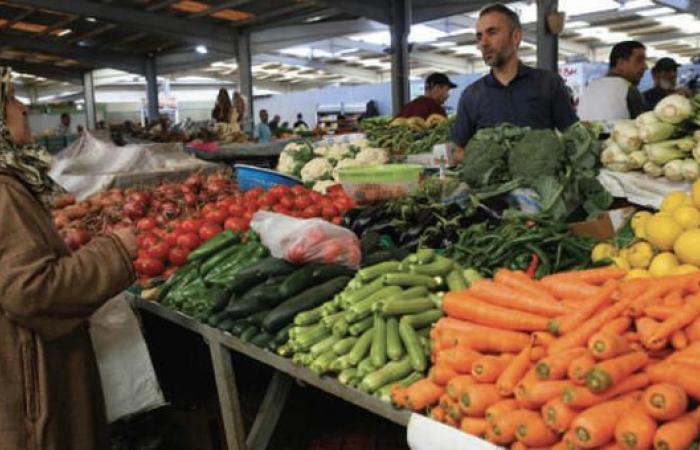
300,122
665,74
222,108
512,92
64,127
371,110
616,96
80,129
262,132
437,91
275,122
51,394
239,104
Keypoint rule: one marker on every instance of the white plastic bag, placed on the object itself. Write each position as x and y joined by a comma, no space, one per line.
129,380
302,241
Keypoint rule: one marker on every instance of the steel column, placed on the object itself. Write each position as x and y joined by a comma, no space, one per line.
547,43
89,96
245,77
152,88
400,71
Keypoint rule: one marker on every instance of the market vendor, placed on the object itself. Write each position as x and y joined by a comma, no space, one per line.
262,132
51,396
664,74
616,96
437,91
512,92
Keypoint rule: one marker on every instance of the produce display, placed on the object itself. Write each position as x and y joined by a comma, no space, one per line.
407,136
661,142
576,360
663,243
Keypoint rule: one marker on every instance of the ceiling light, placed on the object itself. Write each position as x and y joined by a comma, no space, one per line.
65,32
314,19
656,12
91,19
201,49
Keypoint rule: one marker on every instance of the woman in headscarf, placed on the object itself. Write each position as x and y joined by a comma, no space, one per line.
50,396
222,108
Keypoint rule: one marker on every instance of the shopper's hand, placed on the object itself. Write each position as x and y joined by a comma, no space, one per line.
128,238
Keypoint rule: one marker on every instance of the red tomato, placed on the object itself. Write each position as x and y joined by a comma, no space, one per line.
330,251
149,267
208,207
236,224
335,190
248,215
280,209
270,198
312,211
159,251
191,225
337,220
178,256
147,239
146,224
287,201
315,196
236,210
252,206
280,190
171,238
190,199
253,193
328,212
225,202
298,189
189,241
209,230
216,216
169,271
142,254
302,202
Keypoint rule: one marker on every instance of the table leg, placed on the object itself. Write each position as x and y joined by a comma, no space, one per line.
269,412
228,396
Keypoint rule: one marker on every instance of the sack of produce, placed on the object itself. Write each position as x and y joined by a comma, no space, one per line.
302,241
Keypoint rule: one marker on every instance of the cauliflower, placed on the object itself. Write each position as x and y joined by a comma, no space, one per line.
361,143
286,163
347,162
370,155
322,186
293,158
317,169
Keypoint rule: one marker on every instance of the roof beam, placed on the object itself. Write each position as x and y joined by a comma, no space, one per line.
376,10
216,8
444,8
689,6
212,36
354,72
44,70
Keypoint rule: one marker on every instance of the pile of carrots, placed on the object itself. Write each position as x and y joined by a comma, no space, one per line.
576,360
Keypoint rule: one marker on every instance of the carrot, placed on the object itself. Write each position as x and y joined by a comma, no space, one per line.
457,385
660,312
649,297
596,425
533,431
483,339
460,359
557,415
561,445
554,367
502,295
441,374
693,331
602,298
632,337
568,440
604,345
580,335
581,397
499,408
537,394
451,422
542,339
514,372
591,276
569,289
612,446
476,398
438,413
488,368
474,426
445,401
608,373
685,315
517,280
453,411
634,288
665,401
679,340
673,298
635,430
579,367
677,434
617,326
645,327
398,395
537,353
463,306
422,394
503,430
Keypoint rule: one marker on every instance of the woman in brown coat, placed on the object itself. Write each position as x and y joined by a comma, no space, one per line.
50,396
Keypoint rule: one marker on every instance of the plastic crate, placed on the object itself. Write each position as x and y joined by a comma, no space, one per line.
366,184
249,177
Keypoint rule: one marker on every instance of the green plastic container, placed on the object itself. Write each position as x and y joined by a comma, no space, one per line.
366,184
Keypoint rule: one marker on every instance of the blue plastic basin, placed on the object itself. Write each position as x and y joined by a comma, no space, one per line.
249,177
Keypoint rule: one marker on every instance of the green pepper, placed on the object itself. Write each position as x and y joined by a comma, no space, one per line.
241,254
222,255
213,245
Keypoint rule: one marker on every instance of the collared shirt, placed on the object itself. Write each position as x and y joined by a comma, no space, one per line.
422,106
262,133
655,95
534,98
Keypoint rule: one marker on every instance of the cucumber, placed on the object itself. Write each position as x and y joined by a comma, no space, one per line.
249,333
343,346
257,318
259,272
360,327
226,324
311,275
239,327
410,306
389,373
455,280
361,348
262,339
215,319
377,270
409,280
284,313
394,349
423,319
258,298
441,266
309,317
377,352
413,346
325,345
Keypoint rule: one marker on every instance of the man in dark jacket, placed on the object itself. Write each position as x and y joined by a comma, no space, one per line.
664,73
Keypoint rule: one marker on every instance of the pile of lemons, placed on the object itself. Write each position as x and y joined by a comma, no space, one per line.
668,242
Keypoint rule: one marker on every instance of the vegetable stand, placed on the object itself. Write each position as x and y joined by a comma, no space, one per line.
264,155
220,344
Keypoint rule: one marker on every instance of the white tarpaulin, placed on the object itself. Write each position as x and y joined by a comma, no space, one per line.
639,188
90,165
424,433
129,380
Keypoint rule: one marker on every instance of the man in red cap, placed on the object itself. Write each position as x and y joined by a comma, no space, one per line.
437,90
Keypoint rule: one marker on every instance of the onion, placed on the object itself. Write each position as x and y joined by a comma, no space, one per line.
76,238
170,210
134,210
76,211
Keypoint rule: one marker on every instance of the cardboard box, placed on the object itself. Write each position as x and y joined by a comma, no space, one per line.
605,226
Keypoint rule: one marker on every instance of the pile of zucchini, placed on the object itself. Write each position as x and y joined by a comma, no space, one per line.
375,333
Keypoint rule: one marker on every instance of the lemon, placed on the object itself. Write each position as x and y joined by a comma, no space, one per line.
663,264
662,231
673,201
603,251
687,217
687,247
640,255
695,194
624,254
638,221
620,263
637,273
684,269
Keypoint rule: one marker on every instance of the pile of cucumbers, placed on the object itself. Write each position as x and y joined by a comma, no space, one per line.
375,333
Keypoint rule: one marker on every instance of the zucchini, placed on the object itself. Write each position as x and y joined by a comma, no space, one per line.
343,346
423,319
322,363
259,272
284,351
226,324
362,309
309,317
413,346
389,373
215,319
249,333
257,318
341,328
239,327
409,280
258,298
377,352
394,349
340,364
361,348
384,255
440,267
262,339
347,376
323,346
411,306
455,280
329,320
360,327
365,367
304,342
360,294
284,313
377,270
311,275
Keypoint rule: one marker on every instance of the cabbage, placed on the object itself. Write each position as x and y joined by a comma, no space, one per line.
690,170
615,159
674,109
626,135
646,118
653,170
662,152
674,170
639,158
656,131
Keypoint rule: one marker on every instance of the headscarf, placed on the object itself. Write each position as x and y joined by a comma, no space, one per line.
30,163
